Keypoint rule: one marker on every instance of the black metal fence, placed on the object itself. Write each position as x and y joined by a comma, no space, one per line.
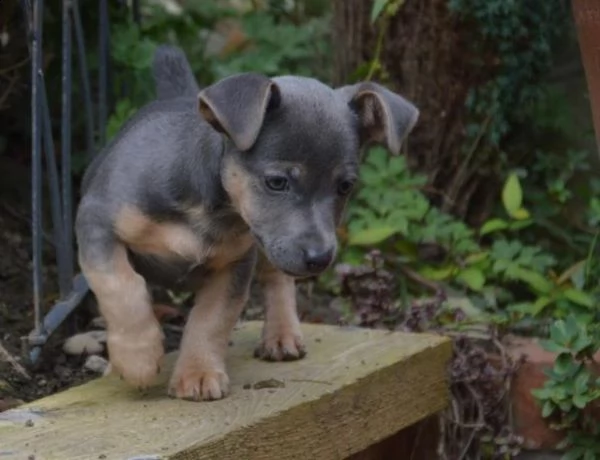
71,286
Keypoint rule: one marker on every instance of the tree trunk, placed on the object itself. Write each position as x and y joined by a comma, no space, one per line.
425,58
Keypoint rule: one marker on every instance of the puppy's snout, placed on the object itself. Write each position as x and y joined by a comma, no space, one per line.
317,259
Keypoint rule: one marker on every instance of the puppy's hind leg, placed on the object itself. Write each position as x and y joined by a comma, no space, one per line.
281,337
135,338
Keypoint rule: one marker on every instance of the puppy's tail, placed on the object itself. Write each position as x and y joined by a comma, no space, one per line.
173,75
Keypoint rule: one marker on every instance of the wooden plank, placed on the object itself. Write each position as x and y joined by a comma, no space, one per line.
355,388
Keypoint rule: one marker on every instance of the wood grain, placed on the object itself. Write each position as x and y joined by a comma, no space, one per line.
355,388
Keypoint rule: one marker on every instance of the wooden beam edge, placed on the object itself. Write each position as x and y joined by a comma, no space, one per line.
311,429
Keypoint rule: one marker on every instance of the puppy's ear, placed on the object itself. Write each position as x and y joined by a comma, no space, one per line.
385,117
236,106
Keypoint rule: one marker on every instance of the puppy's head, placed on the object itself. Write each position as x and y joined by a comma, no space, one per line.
293,153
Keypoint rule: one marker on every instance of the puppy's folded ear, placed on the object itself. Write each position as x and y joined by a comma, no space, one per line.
236,106
384,116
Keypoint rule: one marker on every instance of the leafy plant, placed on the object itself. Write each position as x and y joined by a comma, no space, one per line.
572,389
509,283
272,40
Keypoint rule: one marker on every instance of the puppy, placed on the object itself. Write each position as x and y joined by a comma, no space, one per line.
197,185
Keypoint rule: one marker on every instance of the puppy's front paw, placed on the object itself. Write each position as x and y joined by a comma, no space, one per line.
285,345
136,356
192,381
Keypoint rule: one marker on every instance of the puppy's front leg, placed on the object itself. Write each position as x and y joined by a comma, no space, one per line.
281,337
135,338
200,372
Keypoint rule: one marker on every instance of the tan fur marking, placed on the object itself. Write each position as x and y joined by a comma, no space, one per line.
134,336
200,369
281,337
231,250
238,183
166,239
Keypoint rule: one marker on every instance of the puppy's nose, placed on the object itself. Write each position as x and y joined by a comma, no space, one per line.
317,259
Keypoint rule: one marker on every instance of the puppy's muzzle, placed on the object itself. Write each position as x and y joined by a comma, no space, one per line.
317,259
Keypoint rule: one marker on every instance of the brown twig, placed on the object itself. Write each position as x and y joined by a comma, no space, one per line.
7,357
14,66
418,278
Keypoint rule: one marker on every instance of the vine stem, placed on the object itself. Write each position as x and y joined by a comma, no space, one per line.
378,47
451,194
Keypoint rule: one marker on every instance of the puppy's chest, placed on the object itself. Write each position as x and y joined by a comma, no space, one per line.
196,242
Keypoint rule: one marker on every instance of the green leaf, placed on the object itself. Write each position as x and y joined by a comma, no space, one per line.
572,328
378,7
563,363
493,225
540,304
534,279
476,257
520,224
581,382
521,214
437,274
473,278
553,347
547,409
512,195
558,332
579,297
371,236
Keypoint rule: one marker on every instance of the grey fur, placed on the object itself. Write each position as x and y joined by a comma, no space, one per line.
177,149
173,75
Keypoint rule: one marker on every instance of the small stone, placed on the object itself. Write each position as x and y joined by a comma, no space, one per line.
247,386
91,343
96,363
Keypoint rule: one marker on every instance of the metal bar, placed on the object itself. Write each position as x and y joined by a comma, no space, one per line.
85,83
64,280
103,52
67,69
57,316
36,166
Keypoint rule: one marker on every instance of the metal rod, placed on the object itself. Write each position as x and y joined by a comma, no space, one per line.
36,166
103,51
67,69
85,83
57,315
64,280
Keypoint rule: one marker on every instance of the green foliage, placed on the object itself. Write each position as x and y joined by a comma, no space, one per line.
391,212
508,281
276,40
573,387
504,27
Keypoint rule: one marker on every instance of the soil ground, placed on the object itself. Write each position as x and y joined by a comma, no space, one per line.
56,370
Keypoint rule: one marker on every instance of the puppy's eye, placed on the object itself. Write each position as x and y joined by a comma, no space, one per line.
277,183
345,187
